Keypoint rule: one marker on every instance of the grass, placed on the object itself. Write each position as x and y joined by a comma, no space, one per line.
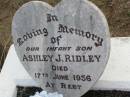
4,46
128,13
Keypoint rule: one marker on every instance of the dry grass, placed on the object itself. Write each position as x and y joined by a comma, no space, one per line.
116,11
118,16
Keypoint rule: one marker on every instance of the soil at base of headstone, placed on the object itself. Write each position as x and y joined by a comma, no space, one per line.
30,91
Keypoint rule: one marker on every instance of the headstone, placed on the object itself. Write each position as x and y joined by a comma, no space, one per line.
64,48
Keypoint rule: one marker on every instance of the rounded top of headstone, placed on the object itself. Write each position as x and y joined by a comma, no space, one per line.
64,48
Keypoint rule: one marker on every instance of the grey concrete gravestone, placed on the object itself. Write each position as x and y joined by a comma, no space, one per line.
64,48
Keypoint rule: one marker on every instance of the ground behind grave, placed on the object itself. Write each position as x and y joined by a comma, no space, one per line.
116,11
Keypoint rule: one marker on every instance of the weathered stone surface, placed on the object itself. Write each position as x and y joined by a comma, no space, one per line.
64,48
